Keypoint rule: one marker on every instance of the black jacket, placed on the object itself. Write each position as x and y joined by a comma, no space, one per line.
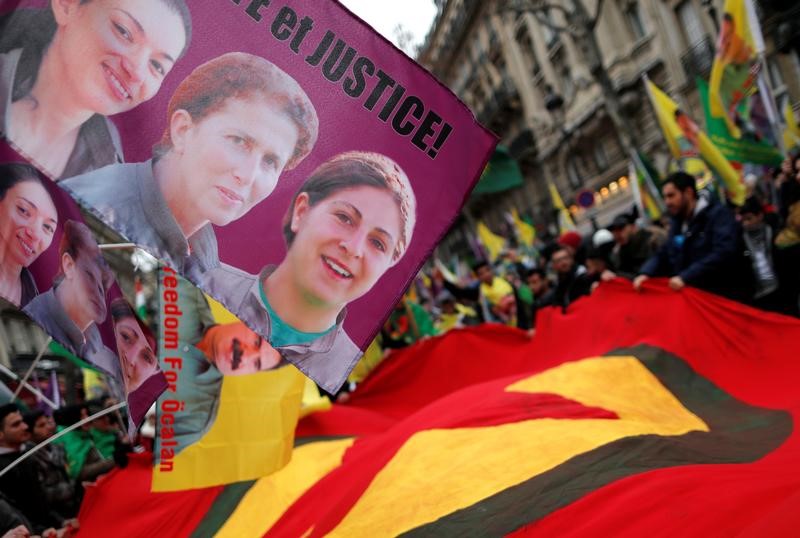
707,255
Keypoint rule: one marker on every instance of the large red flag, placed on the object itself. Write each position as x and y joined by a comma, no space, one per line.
632,414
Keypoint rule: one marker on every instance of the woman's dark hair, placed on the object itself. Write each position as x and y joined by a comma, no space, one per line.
32,30
13,173
120,309
78,240
360,169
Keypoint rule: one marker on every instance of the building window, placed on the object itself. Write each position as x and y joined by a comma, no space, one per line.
600,156
633,14
525,43
573,174
20,338
690,23
550,35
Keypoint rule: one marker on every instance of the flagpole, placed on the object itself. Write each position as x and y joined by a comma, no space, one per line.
637,193
28,453
30,370
764,83
28,386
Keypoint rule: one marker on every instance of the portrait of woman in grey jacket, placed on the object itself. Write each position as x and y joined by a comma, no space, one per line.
234,125
65,68
349,223
28,220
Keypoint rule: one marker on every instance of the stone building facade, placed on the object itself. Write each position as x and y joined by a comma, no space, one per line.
508,65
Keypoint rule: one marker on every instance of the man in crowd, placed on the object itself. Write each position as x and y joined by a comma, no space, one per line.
497,295
572,280
51,465
703,246
541,290
775,270
20,486
633,246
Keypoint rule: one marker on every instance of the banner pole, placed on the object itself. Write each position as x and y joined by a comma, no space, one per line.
30,370
28,386
25,455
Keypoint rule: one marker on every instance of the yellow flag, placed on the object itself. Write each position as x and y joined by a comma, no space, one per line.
687,141
734,75
494,243
252,434
791,134
525,232
565,222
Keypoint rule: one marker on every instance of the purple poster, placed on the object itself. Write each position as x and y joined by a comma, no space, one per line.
281,155
53,269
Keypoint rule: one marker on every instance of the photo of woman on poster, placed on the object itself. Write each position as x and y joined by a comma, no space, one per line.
72,309
28,220
65,68
234,125
349,223
141,373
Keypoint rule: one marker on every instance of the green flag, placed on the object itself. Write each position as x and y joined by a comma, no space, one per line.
742,150
501,174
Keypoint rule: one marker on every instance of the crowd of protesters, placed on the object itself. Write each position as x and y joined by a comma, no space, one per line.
41,495
749,254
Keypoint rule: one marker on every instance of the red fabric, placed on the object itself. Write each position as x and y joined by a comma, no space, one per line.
750,354
456,381
120,504
411,378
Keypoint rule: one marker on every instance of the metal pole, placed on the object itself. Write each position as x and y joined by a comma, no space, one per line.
30,370
117,246
28,386
25,455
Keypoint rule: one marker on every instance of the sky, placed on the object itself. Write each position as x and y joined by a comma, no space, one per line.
416,16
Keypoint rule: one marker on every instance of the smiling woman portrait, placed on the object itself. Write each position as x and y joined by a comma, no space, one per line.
63,69
28,220
234,125
347,225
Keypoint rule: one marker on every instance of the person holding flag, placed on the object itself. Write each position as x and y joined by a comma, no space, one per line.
703,248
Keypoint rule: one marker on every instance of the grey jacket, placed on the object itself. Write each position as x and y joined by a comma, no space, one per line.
127,198
98,142
47,311
327,360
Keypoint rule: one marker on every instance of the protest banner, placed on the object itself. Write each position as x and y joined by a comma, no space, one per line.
232,404
281,155
687,142
632,414
61,281
749,147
